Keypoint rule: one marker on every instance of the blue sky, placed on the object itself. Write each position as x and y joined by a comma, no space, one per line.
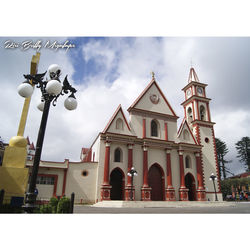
85,69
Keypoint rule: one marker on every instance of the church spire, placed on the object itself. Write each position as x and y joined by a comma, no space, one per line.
193,76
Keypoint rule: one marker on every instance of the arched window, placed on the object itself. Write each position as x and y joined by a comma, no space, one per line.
118,155
188,162
185,135
119,124
190,115
202,113
154,128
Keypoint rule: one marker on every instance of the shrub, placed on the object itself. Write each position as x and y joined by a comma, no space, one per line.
53,203
63,206
46,209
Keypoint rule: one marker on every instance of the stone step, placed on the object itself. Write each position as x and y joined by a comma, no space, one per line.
155,204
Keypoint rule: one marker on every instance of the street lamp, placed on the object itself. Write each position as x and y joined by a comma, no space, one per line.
132,173
213,178
50,90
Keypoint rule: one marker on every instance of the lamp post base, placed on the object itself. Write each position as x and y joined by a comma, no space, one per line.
30,203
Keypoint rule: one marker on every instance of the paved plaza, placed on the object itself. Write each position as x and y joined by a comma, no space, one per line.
150,207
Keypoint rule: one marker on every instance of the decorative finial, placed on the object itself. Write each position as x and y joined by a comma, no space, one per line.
153,75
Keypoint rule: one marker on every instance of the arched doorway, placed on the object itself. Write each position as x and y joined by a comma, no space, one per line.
117,183
156,182
190,184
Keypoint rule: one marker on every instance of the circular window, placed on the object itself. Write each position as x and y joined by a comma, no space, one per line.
85,173
206,140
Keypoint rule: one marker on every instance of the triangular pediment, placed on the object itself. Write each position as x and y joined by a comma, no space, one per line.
118,123
152,99
185,134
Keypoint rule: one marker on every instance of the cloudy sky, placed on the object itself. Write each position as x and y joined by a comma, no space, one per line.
108,71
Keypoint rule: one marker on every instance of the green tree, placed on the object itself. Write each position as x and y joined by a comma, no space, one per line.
222,150
243,150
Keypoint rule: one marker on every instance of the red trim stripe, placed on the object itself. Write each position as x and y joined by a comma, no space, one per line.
144,128
166,131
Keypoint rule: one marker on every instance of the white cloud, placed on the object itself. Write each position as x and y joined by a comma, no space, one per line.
103,55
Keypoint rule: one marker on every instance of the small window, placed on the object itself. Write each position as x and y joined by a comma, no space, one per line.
85,173
119,124
44,180
207,140
154,128
190,116
188,162
118,155
202,113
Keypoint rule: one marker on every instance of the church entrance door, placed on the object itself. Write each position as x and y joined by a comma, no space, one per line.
190,184
156,182
117,183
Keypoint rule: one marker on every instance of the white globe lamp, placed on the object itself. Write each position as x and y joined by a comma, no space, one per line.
40,106
53,87
25,89
70,103
54,70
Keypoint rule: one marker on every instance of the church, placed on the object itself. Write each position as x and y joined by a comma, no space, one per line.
172,164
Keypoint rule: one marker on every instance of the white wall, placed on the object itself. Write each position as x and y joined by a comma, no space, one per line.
208,157
83,186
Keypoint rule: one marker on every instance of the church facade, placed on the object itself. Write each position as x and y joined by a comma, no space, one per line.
171,164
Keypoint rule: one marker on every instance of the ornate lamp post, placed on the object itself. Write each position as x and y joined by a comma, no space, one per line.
132,173
50,90
213,178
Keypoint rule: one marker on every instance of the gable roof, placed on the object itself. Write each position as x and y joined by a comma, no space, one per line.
119,109
181,129
153,82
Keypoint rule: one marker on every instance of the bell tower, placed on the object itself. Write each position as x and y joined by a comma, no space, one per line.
197,114
196,104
